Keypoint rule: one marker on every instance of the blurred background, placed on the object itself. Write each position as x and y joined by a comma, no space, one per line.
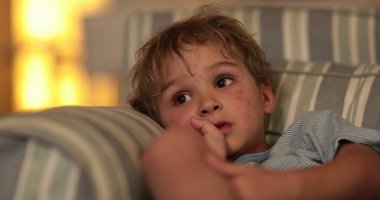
44,56
49,49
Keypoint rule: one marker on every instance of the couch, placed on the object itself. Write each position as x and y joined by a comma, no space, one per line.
321,59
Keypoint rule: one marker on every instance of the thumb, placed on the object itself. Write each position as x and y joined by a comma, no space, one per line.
203,126
212,136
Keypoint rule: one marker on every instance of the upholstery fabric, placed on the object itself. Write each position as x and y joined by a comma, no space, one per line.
351,91
319,35
74,153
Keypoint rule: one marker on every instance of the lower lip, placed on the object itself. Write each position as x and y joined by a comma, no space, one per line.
225,129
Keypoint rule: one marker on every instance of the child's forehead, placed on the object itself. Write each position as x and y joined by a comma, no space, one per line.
195,60
189,55
188,51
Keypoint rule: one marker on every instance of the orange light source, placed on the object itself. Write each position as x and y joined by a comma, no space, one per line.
73,85
48,68
33,81
105,89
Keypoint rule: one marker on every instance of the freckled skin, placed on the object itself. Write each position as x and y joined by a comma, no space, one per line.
242,103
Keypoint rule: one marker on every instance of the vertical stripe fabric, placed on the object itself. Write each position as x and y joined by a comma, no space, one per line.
295,34
344,36
320,42
46,173
300,87
358,92
133,32
376,49
341,33
100,144
372,113
271,32
12,152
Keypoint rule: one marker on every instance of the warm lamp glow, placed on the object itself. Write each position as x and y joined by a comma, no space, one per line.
105,89
37,19
42,19
48,67
33,82
73,85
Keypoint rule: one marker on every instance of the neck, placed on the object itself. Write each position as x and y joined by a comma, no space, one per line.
260,147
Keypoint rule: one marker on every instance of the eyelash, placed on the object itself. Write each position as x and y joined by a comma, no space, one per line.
223,76
182,93
175,98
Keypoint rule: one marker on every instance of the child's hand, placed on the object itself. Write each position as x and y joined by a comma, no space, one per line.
214,138
253,182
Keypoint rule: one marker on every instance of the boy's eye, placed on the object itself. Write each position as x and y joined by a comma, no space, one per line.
223,82
181,99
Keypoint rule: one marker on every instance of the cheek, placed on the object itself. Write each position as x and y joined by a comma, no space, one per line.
178,121
175,119
242,100
244,104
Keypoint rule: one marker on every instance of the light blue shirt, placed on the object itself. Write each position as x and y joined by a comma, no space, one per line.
312,140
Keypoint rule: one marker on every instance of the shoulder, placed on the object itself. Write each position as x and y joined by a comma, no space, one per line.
305,143
319,117
319,121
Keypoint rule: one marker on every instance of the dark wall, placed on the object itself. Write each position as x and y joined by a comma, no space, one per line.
5,57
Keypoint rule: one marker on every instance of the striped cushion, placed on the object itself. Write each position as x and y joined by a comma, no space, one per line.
92,152
318,35
299,87
74,153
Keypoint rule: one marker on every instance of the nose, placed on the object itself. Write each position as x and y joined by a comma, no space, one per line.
209,107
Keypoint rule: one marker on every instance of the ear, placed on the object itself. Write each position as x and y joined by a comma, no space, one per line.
269,101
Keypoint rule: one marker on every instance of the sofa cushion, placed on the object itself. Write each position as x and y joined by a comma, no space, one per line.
92,152
351,91
74,152
290,33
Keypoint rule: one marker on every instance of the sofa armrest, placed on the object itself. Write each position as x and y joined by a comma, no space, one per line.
90,151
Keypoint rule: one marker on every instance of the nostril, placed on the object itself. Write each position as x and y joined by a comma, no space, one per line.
216,107
209,109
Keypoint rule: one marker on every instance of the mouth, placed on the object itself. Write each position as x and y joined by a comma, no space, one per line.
223,127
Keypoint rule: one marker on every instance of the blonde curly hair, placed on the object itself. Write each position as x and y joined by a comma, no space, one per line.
146,75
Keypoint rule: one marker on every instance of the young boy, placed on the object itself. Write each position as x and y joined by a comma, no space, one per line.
206,81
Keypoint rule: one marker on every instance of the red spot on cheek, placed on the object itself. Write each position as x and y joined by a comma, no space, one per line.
238,96
176,123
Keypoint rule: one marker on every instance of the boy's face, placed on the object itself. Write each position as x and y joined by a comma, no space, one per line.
218,89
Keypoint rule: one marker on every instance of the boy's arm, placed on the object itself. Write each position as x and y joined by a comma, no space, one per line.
174,167
353,174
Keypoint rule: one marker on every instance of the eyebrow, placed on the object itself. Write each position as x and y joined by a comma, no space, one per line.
222,63
210,67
